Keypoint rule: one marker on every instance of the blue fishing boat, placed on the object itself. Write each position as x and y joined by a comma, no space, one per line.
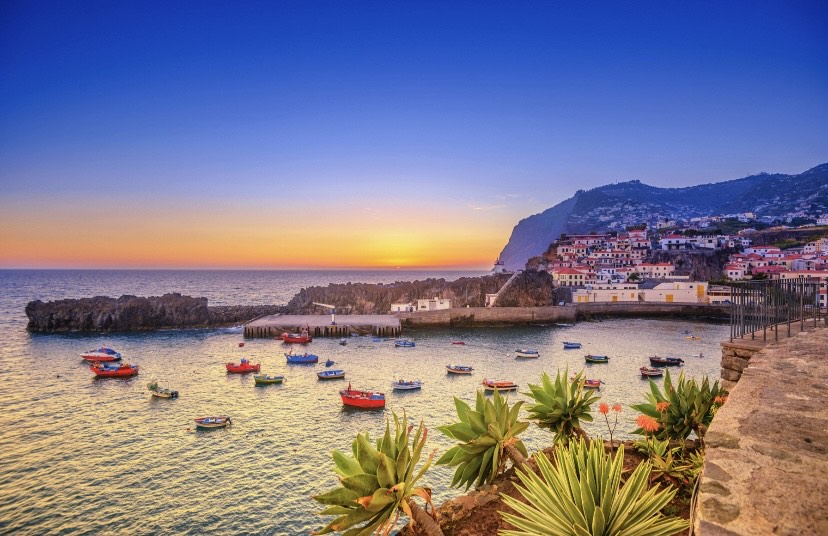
402,385
596,358
571,345
302,358
334,374
404,343
329,363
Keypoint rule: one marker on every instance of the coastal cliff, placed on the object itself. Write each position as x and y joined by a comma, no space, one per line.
133,313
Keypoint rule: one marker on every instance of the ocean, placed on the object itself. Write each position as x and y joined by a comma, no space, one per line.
85,456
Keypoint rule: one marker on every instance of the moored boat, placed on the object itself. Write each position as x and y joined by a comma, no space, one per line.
459,369
651,372
362,399
596,358
329,363
403,385
297,338
343,341
526,352
592,384
243,367
208,423
161,392
459,343
571,345
404,343
666,361
266,379
121,370
302,358
101,355
500,385
334,374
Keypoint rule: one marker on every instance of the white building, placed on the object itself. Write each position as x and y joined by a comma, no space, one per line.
402,308
674,242
433,304
822,220
613,293
676,292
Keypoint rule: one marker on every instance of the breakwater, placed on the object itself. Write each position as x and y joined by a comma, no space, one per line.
658,310
133,313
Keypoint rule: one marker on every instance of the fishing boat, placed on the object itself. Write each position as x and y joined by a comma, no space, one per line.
297,338
592,384
121,370
459,369
402,385
666,361
334,374
526,352
651,372
500,385
458,343
404,343
571,345
265,379
161,392
208,423
243,367
698,355
596,358
101,355
329,363
302,358
362,399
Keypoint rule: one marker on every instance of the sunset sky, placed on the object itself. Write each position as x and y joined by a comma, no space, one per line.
217,134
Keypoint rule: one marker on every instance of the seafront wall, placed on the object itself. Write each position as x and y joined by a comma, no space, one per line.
663,310
481,316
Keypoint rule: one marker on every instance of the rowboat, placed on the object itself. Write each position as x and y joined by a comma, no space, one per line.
651,372
302,358
101,355
161,392
596,358
264,379
459,343
329,363
592,384
297,338
404,343
121,370
402,385
459,369
571,345
334,374
526,352
362,399
243,367
500,385
666,361
208,423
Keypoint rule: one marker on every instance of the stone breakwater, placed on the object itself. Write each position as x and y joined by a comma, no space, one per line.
133,313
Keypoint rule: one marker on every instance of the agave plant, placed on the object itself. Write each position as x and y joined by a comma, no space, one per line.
667,462
579,495
561,406
681,409
379,482
487,436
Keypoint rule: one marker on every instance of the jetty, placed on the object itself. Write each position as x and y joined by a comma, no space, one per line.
321,325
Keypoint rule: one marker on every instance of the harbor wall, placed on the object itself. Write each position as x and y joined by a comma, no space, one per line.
664,310
482,316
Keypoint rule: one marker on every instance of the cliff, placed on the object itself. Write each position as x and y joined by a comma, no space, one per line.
132,313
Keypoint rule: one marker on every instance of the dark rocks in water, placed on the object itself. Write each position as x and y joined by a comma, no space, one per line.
133,313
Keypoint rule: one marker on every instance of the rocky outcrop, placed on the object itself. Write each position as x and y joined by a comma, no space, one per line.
700,265
133,313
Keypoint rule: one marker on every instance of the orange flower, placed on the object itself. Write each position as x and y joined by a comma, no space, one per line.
616,407
603,408
662,406
647,423
720,400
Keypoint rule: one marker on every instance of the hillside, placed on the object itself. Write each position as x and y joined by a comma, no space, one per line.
615,206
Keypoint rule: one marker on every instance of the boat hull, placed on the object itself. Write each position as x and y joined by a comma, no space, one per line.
647,372
268,380
406,386
211,423
121,372
234,368
666,361
500,385
362,399
302,359
458,369
571,345
596,359
331,375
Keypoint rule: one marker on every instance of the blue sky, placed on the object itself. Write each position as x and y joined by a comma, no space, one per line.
397,108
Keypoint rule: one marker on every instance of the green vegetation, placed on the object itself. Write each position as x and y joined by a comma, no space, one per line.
378,483
581,495
487,436
562,405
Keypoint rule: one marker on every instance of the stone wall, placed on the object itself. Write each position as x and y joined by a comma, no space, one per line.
473,316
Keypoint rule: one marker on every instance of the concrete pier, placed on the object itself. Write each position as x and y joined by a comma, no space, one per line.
320,325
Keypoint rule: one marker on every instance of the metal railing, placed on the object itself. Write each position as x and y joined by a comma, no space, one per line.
758,307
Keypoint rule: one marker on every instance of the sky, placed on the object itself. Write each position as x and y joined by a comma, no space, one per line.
218,134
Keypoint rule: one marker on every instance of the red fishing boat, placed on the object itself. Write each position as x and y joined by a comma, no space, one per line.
297,338
500,385
121,370
362,399
101,355
244,366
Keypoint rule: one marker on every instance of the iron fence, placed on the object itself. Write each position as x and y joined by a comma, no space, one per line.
758,307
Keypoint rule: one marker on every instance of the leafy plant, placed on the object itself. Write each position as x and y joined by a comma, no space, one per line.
681,409
581,495
561,406
487,436
667,462
378,483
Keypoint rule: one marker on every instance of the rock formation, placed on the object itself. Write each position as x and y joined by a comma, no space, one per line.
133,313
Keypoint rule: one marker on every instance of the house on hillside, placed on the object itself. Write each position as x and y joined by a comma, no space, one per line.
673,242
433,304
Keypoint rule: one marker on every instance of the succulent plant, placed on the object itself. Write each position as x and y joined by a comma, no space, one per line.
487,436
681,409
561,406
580,495
376,483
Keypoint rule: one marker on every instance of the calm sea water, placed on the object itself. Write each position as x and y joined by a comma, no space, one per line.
86,456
